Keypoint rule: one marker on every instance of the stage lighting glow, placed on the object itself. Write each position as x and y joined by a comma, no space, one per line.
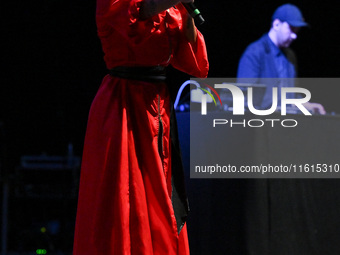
41,251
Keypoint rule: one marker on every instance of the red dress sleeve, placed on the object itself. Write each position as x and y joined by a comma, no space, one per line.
191,59
187,57
129,40
124,17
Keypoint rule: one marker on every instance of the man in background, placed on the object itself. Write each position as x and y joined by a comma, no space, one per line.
271,57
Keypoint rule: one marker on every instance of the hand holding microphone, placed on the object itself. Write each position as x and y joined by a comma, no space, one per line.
194,12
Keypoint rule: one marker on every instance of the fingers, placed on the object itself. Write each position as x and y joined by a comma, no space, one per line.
318,108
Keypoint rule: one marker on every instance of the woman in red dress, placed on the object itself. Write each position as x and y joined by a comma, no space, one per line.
131,196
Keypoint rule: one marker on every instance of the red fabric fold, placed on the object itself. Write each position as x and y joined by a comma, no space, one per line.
140,29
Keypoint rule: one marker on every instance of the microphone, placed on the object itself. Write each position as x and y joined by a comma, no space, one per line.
194,12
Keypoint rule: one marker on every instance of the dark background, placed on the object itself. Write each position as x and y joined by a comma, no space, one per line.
52,63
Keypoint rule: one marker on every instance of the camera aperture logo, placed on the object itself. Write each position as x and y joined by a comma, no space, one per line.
240,104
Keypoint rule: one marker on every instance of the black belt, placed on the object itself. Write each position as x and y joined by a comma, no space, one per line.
140,73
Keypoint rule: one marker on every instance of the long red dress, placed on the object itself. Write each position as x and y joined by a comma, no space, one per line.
125,194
